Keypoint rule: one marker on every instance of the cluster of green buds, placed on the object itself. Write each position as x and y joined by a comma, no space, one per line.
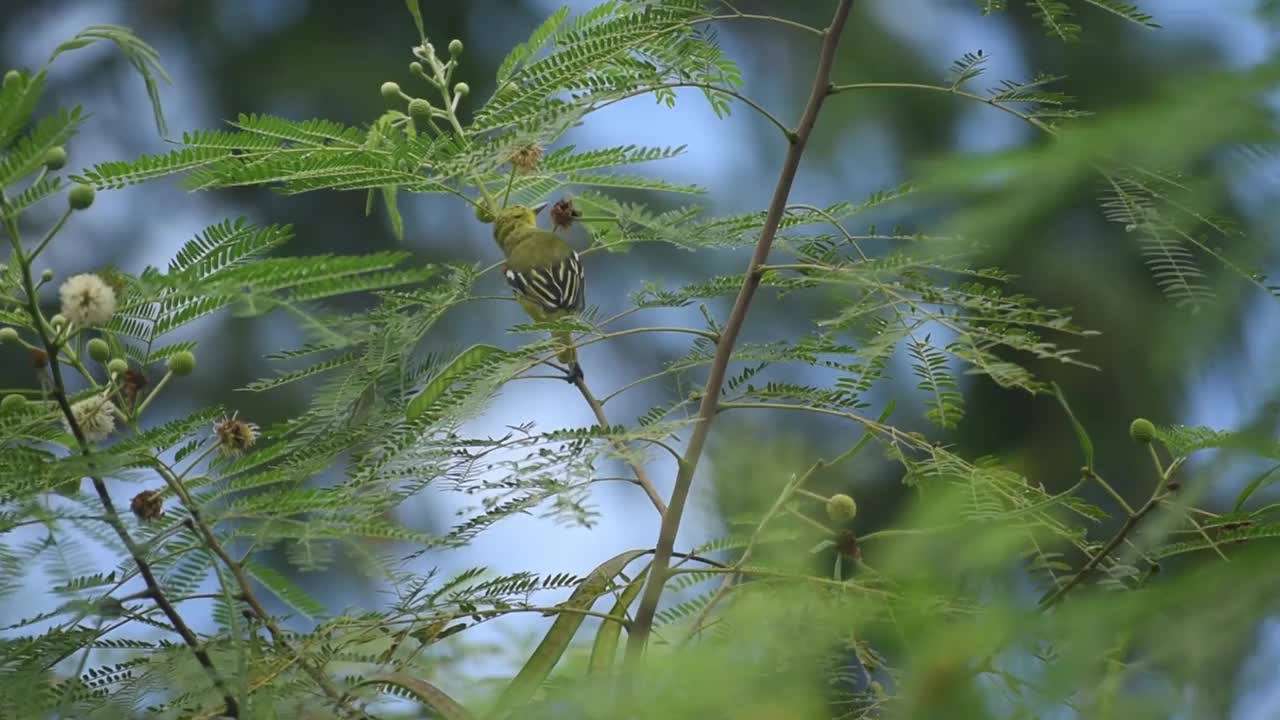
437,73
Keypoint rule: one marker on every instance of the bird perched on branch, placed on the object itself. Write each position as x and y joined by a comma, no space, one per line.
545,273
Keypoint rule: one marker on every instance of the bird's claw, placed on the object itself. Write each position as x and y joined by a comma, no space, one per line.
574,374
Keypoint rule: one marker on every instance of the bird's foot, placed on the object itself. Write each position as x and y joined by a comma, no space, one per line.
574,374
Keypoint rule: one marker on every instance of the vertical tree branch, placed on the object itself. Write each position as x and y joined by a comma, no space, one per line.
643,624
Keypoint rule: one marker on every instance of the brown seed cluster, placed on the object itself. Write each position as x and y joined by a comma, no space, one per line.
147,505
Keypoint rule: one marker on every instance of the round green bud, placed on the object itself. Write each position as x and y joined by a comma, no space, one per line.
461,89
483,214
117,366
46,275
99,350
12,402
11,78
841,508
1141,430
58,322
420,109
8,335
182,364
390,91
415,68
455,47
55,157
80,197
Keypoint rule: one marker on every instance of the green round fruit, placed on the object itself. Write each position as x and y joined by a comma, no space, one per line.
80,197
182,363
390,91
117,366
55,157
99,350
420,110
455,47
12,402
1141,430
841,508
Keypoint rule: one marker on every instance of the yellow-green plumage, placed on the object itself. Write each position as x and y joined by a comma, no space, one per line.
545,273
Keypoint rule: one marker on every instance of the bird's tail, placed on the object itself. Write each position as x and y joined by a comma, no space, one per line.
568,354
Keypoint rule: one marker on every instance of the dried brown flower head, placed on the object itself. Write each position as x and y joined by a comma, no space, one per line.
526,159
564,214
847,545
147,505
131,383
234,435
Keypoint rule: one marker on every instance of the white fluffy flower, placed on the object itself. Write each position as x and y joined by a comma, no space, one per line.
87,300
96,417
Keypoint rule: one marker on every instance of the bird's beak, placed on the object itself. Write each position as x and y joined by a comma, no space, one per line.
538,208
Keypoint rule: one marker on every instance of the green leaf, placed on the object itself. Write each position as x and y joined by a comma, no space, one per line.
1217,539
444,706
1082,435
416,12
557,639
285,589
140,55
1266,478
435,389
393,211
605,648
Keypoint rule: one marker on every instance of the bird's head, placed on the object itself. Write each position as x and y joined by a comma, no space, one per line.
511,219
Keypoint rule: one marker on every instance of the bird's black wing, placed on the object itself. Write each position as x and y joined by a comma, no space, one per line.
555,288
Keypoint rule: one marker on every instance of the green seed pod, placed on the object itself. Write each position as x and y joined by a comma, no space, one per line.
182,364
455,47
1141,430
461,89
55,157
12,402
80,197
390,91
8,335
841,508
99,350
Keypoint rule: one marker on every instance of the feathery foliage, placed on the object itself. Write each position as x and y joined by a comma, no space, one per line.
990,596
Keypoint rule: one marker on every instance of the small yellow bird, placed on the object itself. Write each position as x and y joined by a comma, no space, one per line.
545,273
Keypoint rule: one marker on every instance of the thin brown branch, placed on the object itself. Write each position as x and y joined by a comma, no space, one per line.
1130,522
642,477
197,523
643,625
112,517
